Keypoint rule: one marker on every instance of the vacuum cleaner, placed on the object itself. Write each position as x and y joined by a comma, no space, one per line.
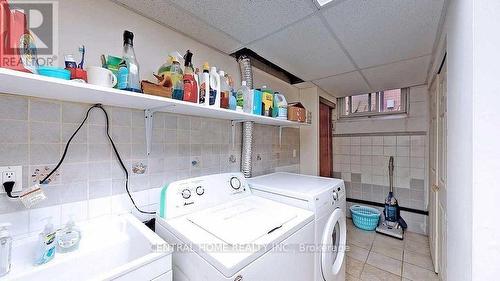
393,224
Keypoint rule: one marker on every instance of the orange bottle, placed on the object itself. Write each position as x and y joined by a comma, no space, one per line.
190,83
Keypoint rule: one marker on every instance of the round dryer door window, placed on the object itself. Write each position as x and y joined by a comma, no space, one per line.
333,245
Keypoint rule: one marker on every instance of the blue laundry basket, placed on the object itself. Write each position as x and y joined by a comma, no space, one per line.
364,217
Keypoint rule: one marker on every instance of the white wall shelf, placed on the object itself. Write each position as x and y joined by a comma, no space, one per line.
27,84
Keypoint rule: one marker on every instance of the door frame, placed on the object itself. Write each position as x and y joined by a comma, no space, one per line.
332,106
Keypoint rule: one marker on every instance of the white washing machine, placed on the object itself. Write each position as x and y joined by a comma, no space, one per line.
220,231
326,198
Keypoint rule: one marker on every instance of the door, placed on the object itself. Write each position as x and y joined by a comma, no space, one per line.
441,175
325,140
333,247
433,194
437,171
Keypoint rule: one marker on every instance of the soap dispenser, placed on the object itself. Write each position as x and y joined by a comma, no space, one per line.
46,244
5,249
68,238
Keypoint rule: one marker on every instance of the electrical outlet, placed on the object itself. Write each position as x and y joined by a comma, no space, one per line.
294,153
11,173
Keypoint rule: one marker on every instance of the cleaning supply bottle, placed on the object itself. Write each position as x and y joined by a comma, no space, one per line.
232,96
134,80
5,249
280,108
244,98
177,79
68,238
46,244
225,91
204,85
240,96
267,101
214,87
190,81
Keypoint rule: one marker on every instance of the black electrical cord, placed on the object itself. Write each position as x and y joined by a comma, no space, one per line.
114,149
9,186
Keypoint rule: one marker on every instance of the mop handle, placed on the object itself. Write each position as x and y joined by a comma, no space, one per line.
391,174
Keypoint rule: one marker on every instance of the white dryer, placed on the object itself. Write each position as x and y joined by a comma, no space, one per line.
220,231
326,198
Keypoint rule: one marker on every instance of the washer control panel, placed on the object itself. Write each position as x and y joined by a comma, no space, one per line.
187,196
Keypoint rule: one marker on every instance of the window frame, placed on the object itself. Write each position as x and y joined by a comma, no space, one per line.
377,107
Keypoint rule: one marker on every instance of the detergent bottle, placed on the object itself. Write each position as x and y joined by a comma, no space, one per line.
177,79
225,90
214,87
190,81
204,78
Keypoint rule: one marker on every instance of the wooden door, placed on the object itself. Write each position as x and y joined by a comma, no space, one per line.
325,140
433,195
441,187
437,171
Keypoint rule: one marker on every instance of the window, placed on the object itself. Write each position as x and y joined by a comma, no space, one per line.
378,103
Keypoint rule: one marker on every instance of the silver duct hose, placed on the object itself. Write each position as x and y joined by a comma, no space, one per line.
246,70
246,150
247,138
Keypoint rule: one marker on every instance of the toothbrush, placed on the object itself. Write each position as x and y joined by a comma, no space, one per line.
82,51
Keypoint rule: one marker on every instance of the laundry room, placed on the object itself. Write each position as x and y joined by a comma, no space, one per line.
249,140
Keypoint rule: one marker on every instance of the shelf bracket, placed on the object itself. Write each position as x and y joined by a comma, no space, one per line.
148,118
233,129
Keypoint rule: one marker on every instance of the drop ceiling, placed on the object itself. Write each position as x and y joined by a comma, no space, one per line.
345,47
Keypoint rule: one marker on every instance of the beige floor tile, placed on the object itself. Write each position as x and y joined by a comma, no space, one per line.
351,278
361,238
419,259
388,249
417,247
385,263
357,253
371,273
354,267
416,273
416,237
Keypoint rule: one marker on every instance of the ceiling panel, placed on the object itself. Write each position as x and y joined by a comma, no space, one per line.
248,20
164,12
378,32
344,84
305,49
400,74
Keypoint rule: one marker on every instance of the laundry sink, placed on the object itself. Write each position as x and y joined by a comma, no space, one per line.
117,247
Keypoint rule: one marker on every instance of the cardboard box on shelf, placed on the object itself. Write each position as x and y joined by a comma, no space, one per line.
296,112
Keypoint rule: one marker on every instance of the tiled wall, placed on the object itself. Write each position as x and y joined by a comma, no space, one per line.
90,182
362,148
363,163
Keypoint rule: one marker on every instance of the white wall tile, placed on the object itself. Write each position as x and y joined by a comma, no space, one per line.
38,217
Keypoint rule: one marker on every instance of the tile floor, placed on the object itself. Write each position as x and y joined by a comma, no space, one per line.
374,256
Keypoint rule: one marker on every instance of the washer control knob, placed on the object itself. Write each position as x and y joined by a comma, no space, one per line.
186,193
335,196
200,190
235,183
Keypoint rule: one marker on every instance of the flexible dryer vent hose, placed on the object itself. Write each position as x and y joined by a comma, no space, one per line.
247,137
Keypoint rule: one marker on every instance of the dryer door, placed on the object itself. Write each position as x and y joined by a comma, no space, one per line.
333,245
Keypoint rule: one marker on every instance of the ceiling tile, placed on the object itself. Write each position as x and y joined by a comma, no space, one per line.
305,49
378,32
396,75
248,20
165,13
344,84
